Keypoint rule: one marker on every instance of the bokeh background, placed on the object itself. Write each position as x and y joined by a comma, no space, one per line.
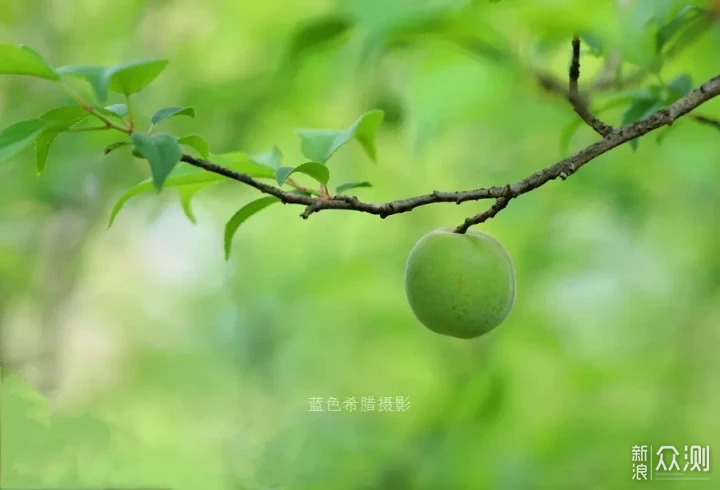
137,356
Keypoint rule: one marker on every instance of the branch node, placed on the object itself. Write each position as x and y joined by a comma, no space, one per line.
310,209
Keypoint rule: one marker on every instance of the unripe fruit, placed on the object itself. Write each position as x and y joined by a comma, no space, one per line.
462,285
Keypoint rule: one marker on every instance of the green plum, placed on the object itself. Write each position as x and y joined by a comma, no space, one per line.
461,285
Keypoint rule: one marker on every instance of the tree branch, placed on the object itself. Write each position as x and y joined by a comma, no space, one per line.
500,204
503,194
576,99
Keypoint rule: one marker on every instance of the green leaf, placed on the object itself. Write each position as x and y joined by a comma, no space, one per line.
22,60
567,133
64,117
119,110
187,192
317,171
241,162
179,178
130,78
594,43
241,216
197,143
640,109
190,176
94,75
318,145
678,87
59,120
351,185
16,137
317,33
271,158
162,151
114,146
169,112
686,16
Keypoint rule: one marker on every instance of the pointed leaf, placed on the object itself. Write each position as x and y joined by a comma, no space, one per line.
365,130
16,137
94,75
678,87
316,33
317,171
169,112
241,162
594,43
130,78
187,192
567,133
197,143
179,178
241,216
271,158
162,151
319,144
682,19
59,120
22,60
189,176
351,185
64,117
282,174
119,110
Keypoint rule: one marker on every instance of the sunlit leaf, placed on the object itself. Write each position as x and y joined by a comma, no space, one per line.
271,158
16,137
189,176
22,60
241,216
169,112
162,151
197,143
317,171
59,120
94,75
242,162
187,192
178,178
130,78
351,185
318,145
119,110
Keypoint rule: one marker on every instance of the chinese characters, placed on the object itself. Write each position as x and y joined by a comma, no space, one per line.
359,404
670,463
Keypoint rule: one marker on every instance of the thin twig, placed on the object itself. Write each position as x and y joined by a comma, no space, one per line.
551,84
708,121
562,169
576,99
500,204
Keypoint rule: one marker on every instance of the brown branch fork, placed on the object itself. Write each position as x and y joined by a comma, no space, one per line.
611,138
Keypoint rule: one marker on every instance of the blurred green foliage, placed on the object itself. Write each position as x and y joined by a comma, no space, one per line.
138,356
